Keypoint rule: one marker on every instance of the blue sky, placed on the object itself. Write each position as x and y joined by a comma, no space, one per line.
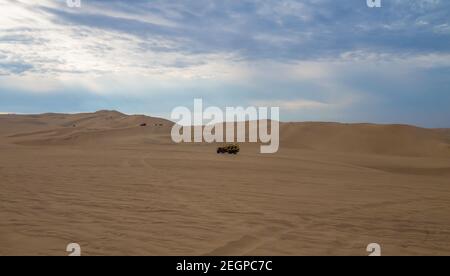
319,60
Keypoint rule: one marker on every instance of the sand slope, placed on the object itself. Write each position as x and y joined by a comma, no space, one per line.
331,137
116,187
70,129
366,138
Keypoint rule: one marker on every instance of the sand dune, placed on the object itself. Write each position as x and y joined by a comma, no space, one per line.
116,187
366,138
331,137
85,128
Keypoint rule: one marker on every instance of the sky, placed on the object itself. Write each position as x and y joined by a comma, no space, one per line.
318,60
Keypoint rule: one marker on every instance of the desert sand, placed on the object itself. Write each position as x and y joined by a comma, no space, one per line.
118,188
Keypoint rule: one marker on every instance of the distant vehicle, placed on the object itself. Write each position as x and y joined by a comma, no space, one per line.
231,149
143,125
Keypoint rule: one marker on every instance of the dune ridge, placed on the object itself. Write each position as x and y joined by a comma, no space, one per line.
117,185
113,126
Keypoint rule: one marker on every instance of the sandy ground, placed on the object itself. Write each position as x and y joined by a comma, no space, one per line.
116,188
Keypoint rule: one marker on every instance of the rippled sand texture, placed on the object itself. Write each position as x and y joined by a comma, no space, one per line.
118,188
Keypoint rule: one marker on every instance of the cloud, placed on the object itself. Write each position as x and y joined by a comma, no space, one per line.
294,105
317,59
14,67
153,37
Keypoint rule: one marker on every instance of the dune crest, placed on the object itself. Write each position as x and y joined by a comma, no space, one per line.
117,185
113,126
366,138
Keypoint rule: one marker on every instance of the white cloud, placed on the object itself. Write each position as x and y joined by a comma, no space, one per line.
58,50
279,9
442,29
31,36
293,105
142,15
